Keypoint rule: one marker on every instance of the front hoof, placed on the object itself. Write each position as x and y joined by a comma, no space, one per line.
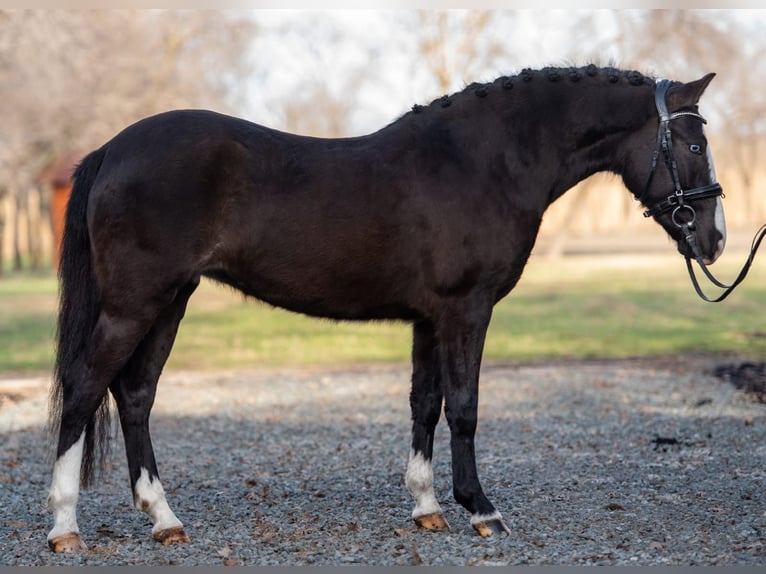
170,536
490,526
69,542
433,521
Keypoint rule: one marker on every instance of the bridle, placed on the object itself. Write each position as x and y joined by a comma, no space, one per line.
681,198
679,203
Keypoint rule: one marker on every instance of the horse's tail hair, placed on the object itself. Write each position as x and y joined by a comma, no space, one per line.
78,313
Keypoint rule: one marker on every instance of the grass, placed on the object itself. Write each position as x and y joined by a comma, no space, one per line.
590,306
624,306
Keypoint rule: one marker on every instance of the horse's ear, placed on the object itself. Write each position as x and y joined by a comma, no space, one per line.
686,95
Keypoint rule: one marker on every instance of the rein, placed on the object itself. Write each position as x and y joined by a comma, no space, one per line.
727,288
678,203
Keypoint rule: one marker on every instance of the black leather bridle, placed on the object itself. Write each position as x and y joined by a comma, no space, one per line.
678,203
681,198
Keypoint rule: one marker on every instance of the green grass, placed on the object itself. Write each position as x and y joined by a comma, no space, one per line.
574,307
27,323
620,307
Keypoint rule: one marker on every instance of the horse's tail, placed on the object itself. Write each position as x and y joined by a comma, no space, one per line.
78,313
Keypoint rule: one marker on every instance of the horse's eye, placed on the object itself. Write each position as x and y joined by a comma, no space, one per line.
695,148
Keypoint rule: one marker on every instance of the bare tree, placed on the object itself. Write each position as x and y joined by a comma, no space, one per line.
315,75
319,112
457,45
71,79
686,44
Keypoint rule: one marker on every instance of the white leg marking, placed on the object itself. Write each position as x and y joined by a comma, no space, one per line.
65,489
149,497
479,518
420,483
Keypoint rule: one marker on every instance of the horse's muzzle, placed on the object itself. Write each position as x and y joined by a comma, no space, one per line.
705,249
718,251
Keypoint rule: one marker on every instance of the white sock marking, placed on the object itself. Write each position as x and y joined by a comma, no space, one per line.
420,483
65,489
478,518
149,497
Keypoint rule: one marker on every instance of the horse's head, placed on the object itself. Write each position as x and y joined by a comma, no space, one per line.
680,190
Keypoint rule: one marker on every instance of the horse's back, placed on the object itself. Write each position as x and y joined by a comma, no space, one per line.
284,218
354,228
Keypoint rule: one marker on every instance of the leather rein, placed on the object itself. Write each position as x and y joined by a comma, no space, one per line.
678,204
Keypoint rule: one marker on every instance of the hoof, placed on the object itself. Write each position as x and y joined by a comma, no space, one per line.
433,521
172,536
491,527
67,543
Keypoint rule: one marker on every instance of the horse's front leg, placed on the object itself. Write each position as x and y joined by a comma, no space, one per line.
426,403
461,342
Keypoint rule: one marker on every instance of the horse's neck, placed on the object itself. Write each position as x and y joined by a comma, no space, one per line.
550,141
592,137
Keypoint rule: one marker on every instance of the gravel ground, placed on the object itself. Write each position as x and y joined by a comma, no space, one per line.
600,462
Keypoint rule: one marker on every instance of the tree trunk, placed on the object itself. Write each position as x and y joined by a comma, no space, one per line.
34,230
3,194
18,215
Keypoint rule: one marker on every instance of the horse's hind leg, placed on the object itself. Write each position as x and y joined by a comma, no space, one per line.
134,390
426,404
86,380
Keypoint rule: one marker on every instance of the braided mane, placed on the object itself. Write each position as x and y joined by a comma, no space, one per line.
551,74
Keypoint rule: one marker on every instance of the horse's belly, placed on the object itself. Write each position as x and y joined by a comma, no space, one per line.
319,291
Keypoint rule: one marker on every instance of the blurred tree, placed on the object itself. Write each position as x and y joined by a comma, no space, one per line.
318,111
686,44
316,74
743,133
458,46
70,79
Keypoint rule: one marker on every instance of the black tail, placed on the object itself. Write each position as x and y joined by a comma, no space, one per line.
78,313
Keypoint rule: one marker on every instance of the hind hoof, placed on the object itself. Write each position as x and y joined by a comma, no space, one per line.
491,527
170,536
70,542
433,521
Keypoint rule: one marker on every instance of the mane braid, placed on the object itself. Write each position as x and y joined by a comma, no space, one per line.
552,74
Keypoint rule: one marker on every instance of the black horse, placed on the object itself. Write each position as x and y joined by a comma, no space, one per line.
429,220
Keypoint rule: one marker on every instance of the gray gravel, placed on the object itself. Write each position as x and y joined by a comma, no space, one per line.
298,467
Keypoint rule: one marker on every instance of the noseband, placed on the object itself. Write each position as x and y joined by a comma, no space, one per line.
679,203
